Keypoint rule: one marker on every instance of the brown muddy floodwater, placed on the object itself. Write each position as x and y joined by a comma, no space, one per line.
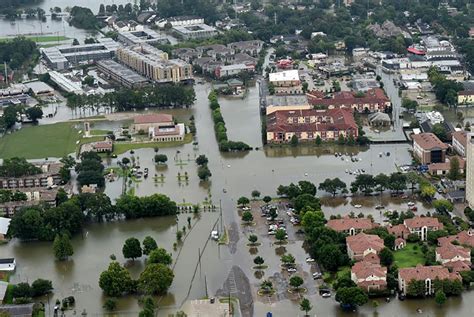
238,174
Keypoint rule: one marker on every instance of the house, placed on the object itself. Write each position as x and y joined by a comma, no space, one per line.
167,133
454,257
428,149
400,243
422,225
286,82
427,274
361,244
7,264
103,146
399,231
151,120
465,237
253,47
443,168
465,97
374,100
459,139
369,276
309,124
350,226
4,225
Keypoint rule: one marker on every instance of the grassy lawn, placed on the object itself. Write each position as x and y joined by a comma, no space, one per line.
409,256
330,277
8,299
120,148
99,132
53,140
40,39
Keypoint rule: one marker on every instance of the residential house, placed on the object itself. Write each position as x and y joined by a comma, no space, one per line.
439,169
350,226
455,257
250,47
151,120
399,231
4,225
369,276
373,100
422,225
465,237
459,139
428,149
7,265
427,274
309,124
361,244
186,54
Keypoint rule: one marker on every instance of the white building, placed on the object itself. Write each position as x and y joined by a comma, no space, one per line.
234,69
470,170
180,21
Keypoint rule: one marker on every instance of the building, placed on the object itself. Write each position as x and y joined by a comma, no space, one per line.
121,74
34,196
64,57
179,21
253,47
459,139
66,84
465,237
465,97
361,244
50,176
428,149
399,231
138,37
422,225
309,124
125,26
454,257
195,31
427,274
369,276
350,226
103,146
379,119
373,100
234,70
154,64
286,82
174,132
4,225
7,265
152,120
470,169
440,169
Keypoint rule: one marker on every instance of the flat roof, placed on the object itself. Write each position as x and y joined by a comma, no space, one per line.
122,71
195,28
285,75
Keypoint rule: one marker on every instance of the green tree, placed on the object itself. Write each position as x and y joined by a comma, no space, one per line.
247,217
110,304
305,306
398,182
413,179
258,261
386,257
280,235
62,247
352,296
382,182
443,206
364,183
267,199
294,140
132,249
149,244
439,130
306,201
416,288
440,297
160,159
22,290
287,259
115,281
318,140
332,185
454,169
296,281
34,113
243,201
204,173
41,287
155,279
312,219
201,160
160,256
255,194
389,241
253,239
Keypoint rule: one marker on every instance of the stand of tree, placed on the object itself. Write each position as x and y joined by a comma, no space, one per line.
124,99
221,131
18,167
83,18
90,170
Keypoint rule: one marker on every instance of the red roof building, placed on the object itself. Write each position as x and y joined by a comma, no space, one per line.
422,225
369,276
428,274
374,100
428,149
308,124
399,231
465,237
152,120
455,257
350,226
360,245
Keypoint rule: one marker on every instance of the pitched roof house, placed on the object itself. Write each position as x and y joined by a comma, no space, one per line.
399,231
465,237
369,276
362,244
350,226
422,225
455,257
428,274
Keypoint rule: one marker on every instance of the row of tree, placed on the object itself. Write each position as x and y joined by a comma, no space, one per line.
18,167
125,99
225,145
11,115
90,170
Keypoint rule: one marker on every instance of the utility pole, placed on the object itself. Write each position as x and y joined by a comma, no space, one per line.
205,285
199,260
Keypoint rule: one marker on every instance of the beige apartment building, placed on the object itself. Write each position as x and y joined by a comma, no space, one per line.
470,169
154,64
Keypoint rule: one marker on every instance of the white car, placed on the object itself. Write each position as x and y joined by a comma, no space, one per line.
411,204
317,275
326,295
291,270
245,208
271,233
357,206
309,260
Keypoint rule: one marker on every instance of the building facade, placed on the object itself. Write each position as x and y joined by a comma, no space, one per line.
470,169
422,225
121,74
350,226
427,148
427,274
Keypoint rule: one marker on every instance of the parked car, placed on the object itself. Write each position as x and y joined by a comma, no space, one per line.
317,275
291,270
309,260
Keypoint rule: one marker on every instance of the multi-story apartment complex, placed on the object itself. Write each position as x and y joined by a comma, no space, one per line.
422,225
50,176
309,124
427,274
351,226
154,64
470,170
459,142
121,74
